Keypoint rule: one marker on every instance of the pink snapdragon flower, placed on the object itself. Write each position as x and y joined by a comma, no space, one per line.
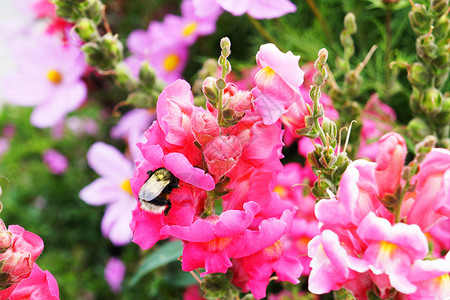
391,250
47,77
267,9
211,242
377,119
114,274
21,249
113,189
39,285
277,84
432,195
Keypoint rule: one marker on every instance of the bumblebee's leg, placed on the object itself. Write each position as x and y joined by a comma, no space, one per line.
169,206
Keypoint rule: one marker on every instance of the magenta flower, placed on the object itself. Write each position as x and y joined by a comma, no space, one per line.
113,189
211,242
114,274
23,248
39,285
391,250
277,83
47,77
267,9
55,161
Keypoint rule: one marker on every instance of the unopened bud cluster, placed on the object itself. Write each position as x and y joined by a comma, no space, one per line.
327,163
428,75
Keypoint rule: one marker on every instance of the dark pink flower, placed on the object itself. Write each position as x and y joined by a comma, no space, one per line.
55,161
114,273
267,9
39,285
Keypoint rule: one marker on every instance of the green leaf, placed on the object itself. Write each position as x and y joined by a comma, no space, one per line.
163,255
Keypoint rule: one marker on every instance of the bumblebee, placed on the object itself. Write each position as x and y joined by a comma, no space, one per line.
154,193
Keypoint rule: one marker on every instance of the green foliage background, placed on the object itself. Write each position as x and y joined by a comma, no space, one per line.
48,205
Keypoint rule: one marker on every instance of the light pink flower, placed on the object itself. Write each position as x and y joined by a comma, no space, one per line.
277,83
205,127
432,197
391,250
390,161
39,285
55,161
221,154
377,119
114,274
113,189
47,77
432,279
266,9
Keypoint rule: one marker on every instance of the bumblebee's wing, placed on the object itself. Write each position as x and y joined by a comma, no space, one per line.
152,188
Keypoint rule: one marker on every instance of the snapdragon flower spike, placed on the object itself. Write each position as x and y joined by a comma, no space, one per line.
211,242
263,253
267,9
47,77
391,250
39,285
277,83
113,189
432,195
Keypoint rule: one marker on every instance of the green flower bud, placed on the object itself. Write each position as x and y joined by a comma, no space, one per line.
329,127
350,23
92,53
442,61
225,43
390,201
124,78
419,19
86,29
112,51
92,9
418,75
414,100
426,48
441,29
211,91
142,100
221,84
147,75
426,145
439,7
418,129
431,101
443,117
318,79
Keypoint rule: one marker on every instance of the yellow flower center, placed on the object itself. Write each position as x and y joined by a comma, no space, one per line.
443,282
281,191
189,29
54,76
386,250
274,252
218,244
171,62
126,186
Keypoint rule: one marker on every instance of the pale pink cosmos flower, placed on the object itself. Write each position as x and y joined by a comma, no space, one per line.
47,77
39,285
113,189
277,83
55,161
114,274
258,9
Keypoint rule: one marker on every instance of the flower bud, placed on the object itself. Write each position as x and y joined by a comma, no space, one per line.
443,117
441,28
318,79
124,78
350,23
439,7
330,128
418,75
147,75
426,145
441,62
204,126
225,45
419,19
92,9
221,84
221,154
5,240
418,129
431,101
296,118
86,29
426,47
211,91
112,50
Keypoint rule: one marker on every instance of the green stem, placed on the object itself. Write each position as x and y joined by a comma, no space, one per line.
220,107
263,31
387,55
